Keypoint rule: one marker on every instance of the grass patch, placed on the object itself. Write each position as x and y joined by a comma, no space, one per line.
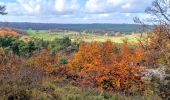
82,37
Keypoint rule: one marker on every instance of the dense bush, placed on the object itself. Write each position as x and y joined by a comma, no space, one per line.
63,60
8,61
103,65
34,87
44,60
41,44
158,43
31,69
19,47
9,32
22,48
157,49
63,44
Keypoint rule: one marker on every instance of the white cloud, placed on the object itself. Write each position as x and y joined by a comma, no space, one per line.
30,7
75,10
66,5
42,7
126,6
95,6
60,5
115,2
111,6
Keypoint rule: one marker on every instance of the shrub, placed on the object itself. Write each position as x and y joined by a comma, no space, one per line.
18,47
8,61
44,60
73,97
41,44
60,44
9,32
63,60
97,98
100,64
18,84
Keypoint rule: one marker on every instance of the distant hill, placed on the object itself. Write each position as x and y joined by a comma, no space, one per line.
124,28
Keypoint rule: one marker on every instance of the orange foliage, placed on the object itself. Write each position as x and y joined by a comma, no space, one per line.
107,66
8,32
8,62
159,45
44,60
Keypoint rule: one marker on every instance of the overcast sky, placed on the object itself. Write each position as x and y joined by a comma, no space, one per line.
74,11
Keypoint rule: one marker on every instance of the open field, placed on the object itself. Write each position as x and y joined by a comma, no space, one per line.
45,35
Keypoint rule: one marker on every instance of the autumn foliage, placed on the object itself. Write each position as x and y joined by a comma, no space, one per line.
108,66
8,32
8,61
44,60
158,44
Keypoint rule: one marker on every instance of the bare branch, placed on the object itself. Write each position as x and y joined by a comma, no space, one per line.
160,9
3,10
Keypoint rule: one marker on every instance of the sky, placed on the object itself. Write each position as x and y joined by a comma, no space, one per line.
74,11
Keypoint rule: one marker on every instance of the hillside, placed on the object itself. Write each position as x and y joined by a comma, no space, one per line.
124,28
